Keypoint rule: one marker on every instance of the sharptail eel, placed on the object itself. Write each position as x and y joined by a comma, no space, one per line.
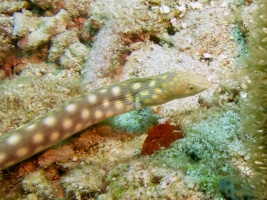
93,107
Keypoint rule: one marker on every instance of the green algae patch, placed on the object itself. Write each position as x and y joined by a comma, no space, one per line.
134,121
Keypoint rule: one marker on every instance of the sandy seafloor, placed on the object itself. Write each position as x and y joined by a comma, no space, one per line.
52,51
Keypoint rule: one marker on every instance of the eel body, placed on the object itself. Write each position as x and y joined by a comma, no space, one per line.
93,107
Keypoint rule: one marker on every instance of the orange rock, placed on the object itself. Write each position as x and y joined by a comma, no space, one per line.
59,155
27,167
161,135
86,141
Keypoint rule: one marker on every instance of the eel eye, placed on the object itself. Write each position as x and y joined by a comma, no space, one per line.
191,87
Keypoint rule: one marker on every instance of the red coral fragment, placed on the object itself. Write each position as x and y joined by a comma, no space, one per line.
161,135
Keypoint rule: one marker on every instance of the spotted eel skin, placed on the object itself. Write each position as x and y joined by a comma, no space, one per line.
93,107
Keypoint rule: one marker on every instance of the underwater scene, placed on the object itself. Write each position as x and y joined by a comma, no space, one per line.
133,100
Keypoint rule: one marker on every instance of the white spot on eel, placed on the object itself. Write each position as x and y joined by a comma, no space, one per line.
85,114
98,114
54,136
71,108
13,140
116,90
38,137
92,98
22,151
136,86
67,123
49,121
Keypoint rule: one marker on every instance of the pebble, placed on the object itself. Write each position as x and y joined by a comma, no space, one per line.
191,186
164,9
184,25
196,5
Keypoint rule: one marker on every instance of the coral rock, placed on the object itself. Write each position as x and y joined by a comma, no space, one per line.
50,27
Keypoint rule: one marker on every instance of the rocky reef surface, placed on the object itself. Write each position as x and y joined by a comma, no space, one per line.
53,51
